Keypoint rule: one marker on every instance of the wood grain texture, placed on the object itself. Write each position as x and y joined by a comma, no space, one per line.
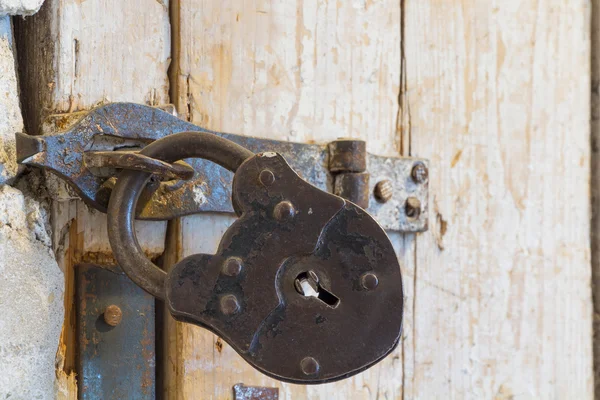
74,55
499,99
595,178
296,70
496,95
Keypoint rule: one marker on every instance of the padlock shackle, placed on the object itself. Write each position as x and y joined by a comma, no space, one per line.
130,184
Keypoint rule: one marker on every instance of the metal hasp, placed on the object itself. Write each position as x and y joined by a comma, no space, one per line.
90,150
305,285
115,329
242,392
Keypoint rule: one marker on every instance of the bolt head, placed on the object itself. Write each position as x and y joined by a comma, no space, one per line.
266,177
229,304
419,173
113,315
232,266
369,281
412,208
384,190
309,366
284,211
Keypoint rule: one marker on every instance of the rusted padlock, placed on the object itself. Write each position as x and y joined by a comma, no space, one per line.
305,285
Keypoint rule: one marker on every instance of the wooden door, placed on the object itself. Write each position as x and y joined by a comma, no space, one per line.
494,93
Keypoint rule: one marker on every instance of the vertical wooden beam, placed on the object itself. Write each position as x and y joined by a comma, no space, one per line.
499,100
72,56
595,185
301,70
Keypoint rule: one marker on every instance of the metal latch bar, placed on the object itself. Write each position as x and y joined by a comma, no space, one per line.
387,187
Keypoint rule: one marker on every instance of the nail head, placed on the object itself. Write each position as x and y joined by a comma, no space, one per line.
113,315
369,281
384,190
229,304
266,177
419,173
232,266
284,211
309,366
412,208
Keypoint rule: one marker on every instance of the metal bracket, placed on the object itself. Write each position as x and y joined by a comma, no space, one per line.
115,328
392,189
242,392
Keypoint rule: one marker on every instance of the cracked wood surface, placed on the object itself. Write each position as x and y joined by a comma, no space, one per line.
496,94
72,56
595,178
499,100
296,70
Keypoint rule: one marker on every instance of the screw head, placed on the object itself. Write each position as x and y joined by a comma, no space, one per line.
309,366
229,304
266,177
369,281
384,190
284,211
113,315
419,173
232,266
412,208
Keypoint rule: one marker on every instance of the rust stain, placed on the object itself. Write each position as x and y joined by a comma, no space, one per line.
219,345
148,353
222,70
441,227
456,158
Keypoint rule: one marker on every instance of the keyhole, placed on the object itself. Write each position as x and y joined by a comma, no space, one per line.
308,285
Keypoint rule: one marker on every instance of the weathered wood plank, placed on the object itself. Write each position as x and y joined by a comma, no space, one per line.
76,54
595,180
72,56
302,71
297,70
499,99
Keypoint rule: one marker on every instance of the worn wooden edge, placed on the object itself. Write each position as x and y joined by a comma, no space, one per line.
595,185
168,337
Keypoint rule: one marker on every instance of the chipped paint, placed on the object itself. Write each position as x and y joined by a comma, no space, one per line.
199,193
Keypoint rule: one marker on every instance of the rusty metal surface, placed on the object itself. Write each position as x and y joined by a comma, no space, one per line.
292,276
241,392
347,155
114,362
111,160
121,231
119,126
391,214
299,270
353,186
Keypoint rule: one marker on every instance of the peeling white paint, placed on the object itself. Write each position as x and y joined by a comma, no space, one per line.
200,193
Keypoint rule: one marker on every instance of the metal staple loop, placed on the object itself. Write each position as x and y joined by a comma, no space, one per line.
125,195
133,160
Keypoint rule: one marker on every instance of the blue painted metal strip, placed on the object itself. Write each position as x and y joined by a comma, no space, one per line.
114,362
